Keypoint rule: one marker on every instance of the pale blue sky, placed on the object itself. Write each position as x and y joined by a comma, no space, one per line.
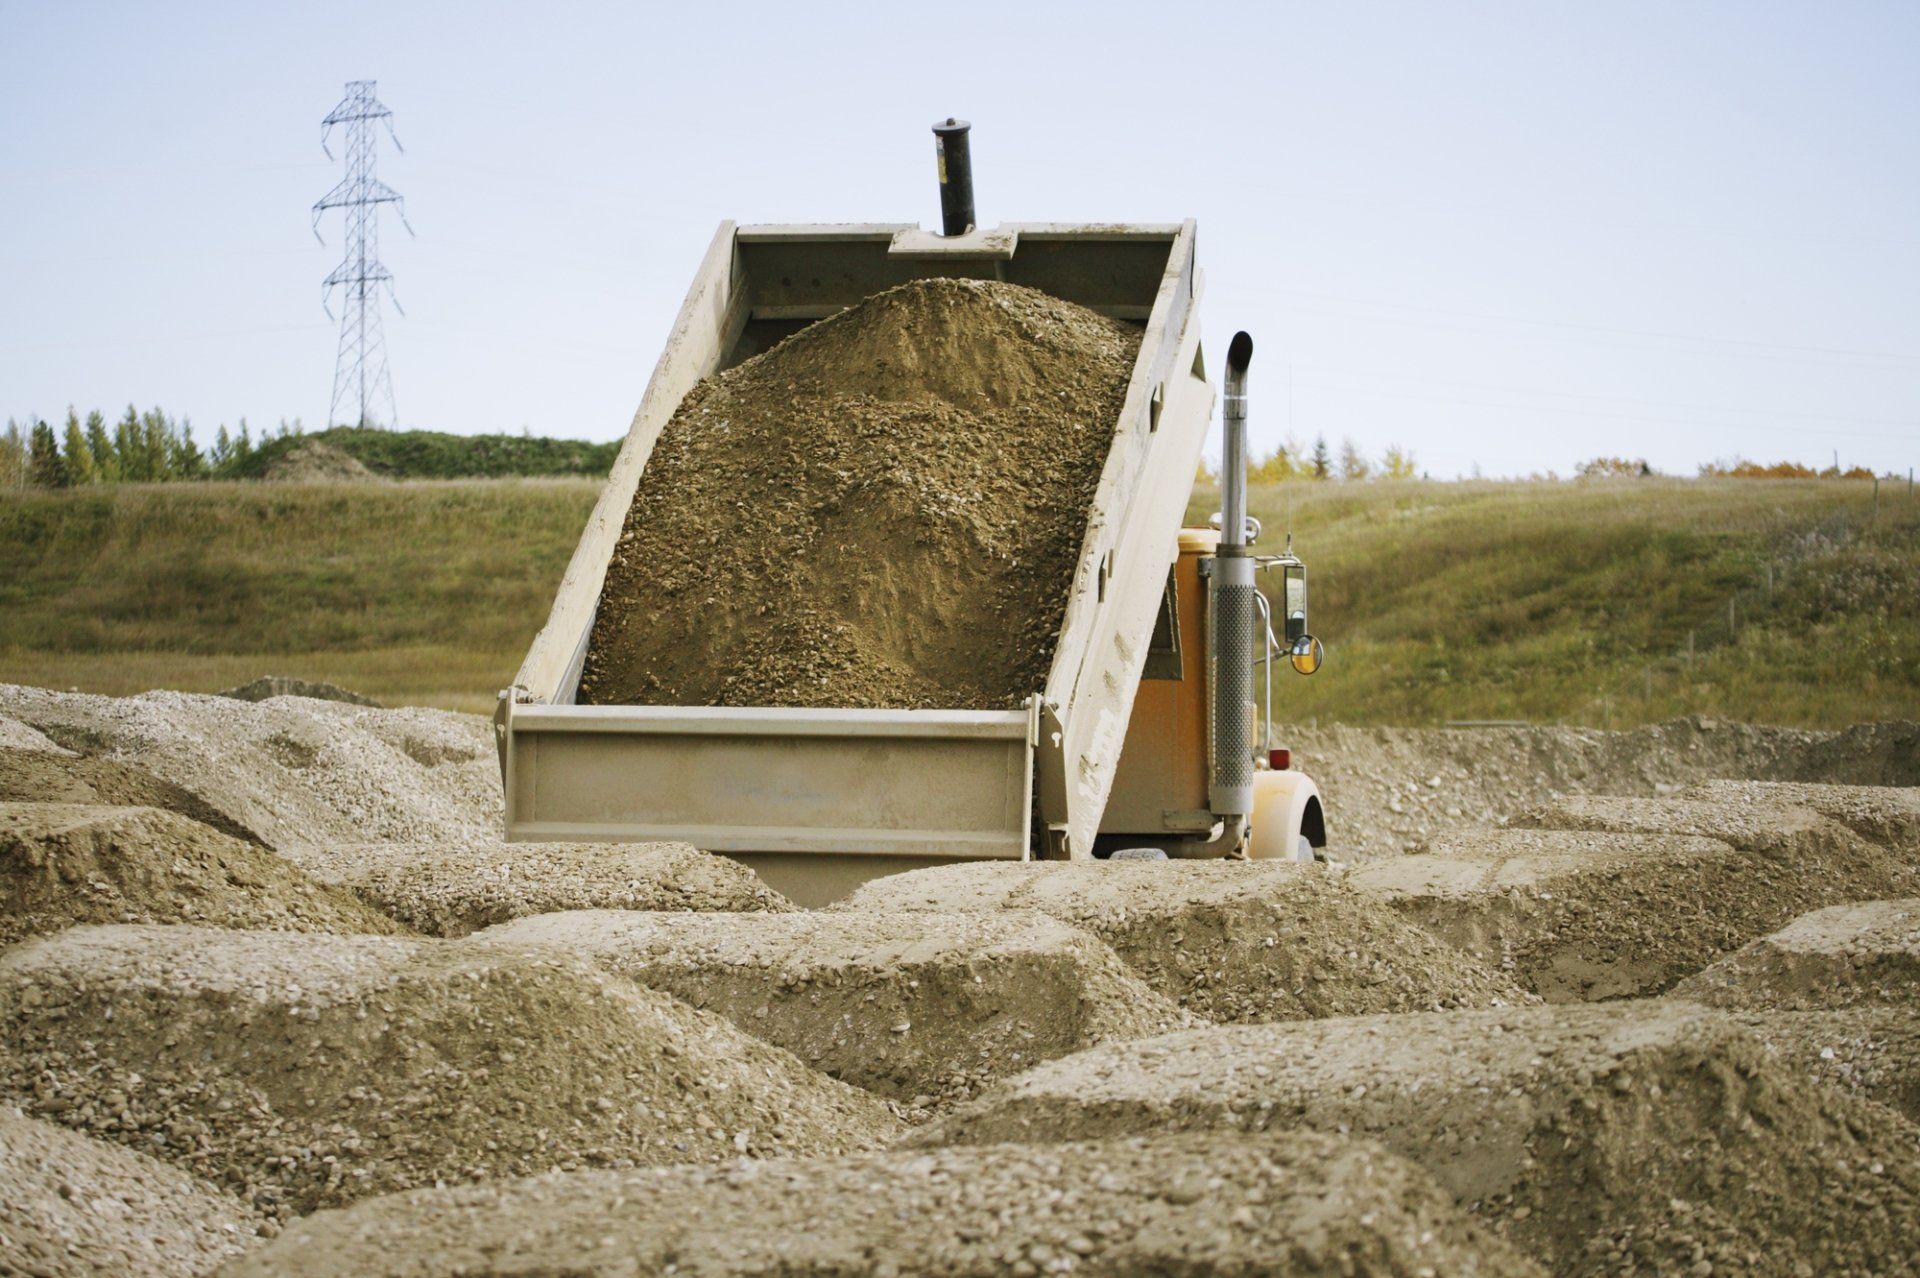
1516,235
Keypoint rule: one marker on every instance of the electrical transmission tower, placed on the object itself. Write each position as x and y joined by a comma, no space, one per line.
360,369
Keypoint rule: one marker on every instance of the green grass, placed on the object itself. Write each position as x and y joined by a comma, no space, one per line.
1580,602
415,592
1547,602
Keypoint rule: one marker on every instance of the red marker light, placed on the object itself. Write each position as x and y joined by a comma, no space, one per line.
1280,760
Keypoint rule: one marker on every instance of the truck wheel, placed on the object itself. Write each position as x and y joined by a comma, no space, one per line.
1138,854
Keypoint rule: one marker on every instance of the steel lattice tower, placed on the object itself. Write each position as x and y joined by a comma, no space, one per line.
360,369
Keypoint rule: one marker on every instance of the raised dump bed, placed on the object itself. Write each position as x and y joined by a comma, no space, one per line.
819,799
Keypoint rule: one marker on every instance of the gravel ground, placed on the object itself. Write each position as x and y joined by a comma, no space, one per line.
1864,955
60,776
75,1207
448,888
304,1071
922,1007
293,772
1576,915
1888,815
1643,1137
15,735
1230,941
1302,1205
67,863
1782,831
1390,789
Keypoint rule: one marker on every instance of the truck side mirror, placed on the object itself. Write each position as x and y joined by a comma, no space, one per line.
1306,655
1296,602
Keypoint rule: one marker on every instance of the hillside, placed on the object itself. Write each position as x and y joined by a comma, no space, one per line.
1548,602
432,454
1613,603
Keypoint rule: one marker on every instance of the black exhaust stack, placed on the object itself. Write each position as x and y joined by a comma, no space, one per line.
956,176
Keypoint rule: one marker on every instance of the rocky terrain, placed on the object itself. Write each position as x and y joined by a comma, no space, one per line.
275,997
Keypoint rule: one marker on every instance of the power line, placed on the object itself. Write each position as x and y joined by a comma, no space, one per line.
360,372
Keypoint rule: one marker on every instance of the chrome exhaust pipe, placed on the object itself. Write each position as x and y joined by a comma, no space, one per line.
1230,788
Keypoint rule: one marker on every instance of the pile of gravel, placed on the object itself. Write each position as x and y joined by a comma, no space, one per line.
1818,846
73,1207
1227,940
921,1007
60,776
453,887
287,686
884,510
66,863
1390,789
1642,1137
293,772
1836,994
1575,915
1861,955
308,1071
1302,1205
1880,813
15,735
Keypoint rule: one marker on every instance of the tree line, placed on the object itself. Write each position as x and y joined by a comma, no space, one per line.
1293,460
145,448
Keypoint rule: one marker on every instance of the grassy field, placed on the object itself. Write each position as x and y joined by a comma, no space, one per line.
1609,603
411,592
1567,602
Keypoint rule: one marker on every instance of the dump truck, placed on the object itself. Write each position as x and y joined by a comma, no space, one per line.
1151,736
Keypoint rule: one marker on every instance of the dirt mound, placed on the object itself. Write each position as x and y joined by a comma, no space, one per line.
74,1206
1650,1137
1580,916
884,510
1785,832
1872,1052
917,1006
1864,955
452,888
1302,1204
316,462
16,736
285,686
296,773
307,1071
1231,941
1388,789
60,776
1837,994
66,863
1884,814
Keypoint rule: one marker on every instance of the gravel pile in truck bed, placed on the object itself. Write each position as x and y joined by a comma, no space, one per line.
304,1071
1648,1137
885,510
1302,1204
